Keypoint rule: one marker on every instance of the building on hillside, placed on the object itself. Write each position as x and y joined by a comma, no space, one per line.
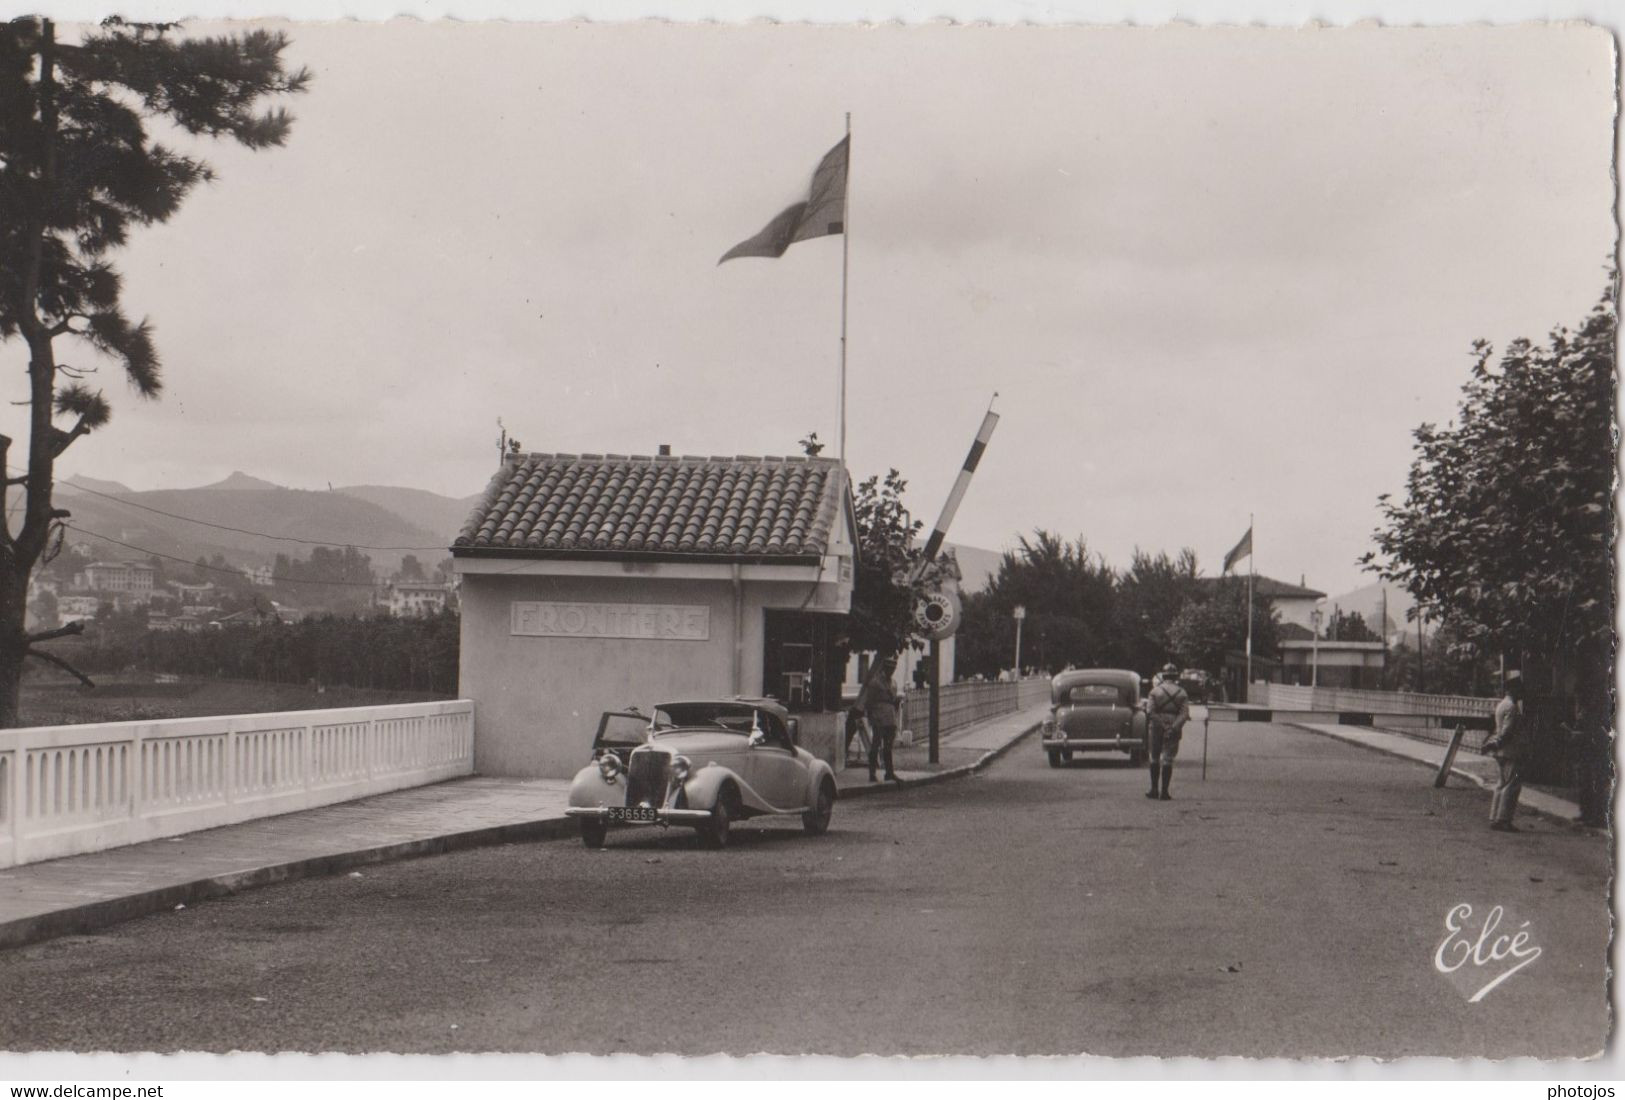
1333,664
413,599
136,578
75,608
264,613
595,582
192,593
260,576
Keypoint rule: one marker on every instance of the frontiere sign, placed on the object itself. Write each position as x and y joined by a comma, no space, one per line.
660,622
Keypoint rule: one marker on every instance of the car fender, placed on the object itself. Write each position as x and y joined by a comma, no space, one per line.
589,788
702,787
1137,728
817,772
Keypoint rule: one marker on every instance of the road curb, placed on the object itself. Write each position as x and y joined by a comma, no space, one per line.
960,772
80,919
95,915
1559,816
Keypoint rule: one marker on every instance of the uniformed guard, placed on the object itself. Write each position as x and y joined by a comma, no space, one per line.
1170,709
1510,745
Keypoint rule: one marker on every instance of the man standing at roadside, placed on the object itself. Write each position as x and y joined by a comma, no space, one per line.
878,700
1509,743
1169,709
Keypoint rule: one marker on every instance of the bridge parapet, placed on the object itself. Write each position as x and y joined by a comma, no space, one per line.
66,790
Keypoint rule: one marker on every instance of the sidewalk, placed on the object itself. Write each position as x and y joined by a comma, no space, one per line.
82,893
962,752
1478,769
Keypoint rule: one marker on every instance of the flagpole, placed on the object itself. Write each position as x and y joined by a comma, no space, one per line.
846,236
1251,541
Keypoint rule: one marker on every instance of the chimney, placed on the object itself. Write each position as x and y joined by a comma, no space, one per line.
665,450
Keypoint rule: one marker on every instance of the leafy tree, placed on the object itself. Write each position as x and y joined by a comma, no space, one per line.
1069,597
78,172
411,569
1150,596
1506,531
882,616
1207,629
1348,626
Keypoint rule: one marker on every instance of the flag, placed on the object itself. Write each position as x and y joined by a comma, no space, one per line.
1243,549
821,215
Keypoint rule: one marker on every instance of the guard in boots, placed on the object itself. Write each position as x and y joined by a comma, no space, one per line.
1511,745
1169,708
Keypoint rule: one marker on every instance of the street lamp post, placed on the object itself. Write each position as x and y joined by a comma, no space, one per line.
1019,614
1314,650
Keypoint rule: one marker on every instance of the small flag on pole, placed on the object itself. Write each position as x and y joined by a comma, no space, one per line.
821,215
1243,549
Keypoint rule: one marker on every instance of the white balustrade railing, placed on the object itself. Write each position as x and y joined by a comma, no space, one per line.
1369,701
65,790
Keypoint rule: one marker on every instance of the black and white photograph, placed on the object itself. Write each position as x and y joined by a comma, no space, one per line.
862,541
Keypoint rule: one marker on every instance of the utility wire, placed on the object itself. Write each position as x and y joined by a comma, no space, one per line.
521,567
245,531
213,568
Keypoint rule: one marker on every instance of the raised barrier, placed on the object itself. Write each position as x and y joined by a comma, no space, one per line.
65,790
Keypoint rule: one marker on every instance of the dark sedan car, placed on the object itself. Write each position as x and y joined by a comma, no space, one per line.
1095,710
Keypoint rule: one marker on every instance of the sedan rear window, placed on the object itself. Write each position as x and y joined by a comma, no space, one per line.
1099,695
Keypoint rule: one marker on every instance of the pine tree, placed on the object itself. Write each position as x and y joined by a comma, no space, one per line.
78,172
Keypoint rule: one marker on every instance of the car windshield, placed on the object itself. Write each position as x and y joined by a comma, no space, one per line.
1096,695
733,717
623,731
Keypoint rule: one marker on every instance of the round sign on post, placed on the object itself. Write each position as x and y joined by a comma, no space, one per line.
937,614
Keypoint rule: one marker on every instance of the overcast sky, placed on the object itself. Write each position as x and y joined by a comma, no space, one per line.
1209,272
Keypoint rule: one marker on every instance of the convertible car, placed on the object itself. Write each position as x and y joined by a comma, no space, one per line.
704,764
1095,709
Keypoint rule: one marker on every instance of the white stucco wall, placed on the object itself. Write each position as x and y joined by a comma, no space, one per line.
538,699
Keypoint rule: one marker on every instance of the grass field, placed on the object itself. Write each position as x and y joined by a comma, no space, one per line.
65,703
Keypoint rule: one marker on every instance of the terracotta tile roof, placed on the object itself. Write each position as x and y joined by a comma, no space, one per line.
739,507
1267,586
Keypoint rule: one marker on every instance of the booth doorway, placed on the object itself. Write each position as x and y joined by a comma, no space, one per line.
803,659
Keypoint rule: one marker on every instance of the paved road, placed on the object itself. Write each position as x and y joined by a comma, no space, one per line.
1291,905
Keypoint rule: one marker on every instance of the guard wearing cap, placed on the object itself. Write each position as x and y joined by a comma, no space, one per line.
1169,709
1510,745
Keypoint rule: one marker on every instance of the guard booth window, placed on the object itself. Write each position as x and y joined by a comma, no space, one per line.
802,666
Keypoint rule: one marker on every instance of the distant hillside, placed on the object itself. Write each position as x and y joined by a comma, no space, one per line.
80,481
322,518
237,481
419,507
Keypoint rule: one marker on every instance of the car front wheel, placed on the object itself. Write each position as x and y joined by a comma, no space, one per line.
714,833
816,820
1055,758
593,832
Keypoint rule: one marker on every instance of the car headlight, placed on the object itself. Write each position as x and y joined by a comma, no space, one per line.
609,766
681,767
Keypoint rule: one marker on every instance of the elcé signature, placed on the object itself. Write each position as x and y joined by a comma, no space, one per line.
1482,949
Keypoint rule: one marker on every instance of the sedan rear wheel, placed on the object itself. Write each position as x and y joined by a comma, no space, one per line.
816,820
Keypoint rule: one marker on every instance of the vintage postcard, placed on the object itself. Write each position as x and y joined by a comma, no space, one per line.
767,538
